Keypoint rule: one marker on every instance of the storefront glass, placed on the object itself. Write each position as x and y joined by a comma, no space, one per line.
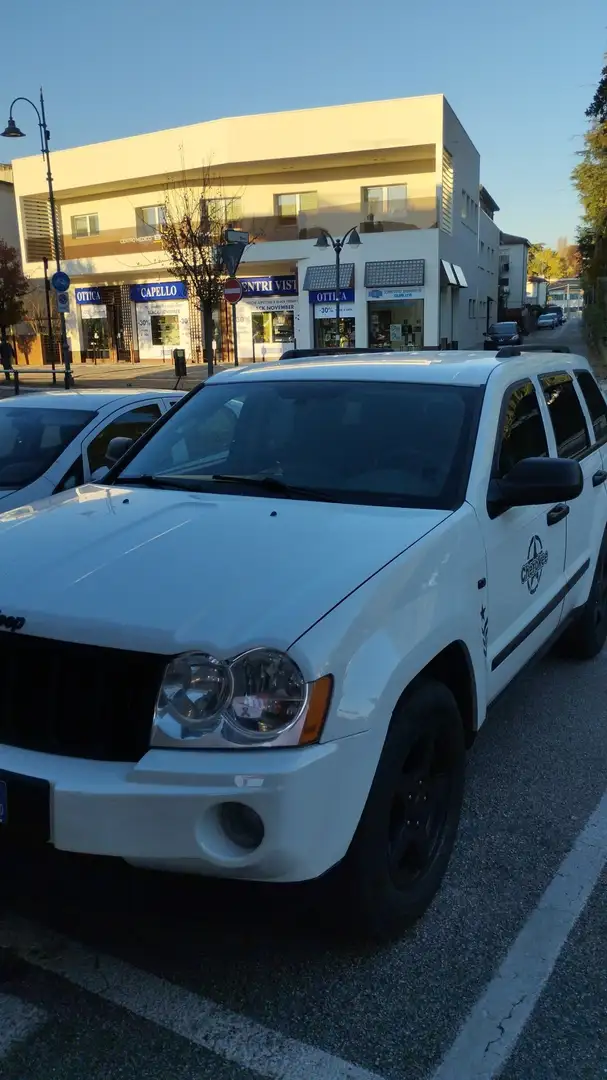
396,324
272,327
165,329
325,333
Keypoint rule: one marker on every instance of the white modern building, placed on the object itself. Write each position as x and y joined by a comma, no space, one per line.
513,264
9,231
404,173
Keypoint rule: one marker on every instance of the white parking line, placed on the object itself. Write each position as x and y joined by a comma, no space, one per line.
18,1020
232,1037
497,1020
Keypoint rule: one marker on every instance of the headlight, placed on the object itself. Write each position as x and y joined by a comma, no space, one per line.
259,698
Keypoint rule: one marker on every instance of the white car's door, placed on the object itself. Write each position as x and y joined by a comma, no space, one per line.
525,549
587,515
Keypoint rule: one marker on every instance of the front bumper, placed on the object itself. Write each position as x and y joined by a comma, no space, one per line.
163,812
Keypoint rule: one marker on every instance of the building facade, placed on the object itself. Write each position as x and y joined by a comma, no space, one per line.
9,230
403,172
513,265
567,293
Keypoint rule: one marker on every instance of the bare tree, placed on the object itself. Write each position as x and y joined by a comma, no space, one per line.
196,214
36,316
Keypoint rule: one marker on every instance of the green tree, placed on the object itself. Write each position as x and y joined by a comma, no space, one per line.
545,262
590,179
13,288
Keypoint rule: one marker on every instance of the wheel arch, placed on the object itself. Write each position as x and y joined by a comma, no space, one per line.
453,667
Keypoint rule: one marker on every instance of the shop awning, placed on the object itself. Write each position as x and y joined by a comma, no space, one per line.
394,273
319,278
447,273
461,277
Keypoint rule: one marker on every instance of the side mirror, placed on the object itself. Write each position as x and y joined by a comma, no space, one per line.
536,482
117,448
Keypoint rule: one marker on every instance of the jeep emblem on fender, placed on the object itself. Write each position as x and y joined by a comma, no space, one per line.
11,622
531,571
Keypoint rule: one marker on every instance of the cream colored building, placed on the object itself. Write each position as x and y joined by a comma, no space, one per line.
404,172
9,231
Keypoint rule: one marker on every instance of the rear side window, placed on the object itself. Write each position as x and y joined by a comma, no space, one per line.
130,425
523,434
597,407
566,414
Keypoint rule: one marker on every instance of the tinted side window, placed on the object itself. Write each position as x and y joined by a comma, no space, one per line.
130,425
74,476
523,433
566,415
597,407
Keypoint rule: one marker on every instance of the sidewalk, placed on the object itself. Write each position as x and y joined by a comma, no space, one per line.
114,376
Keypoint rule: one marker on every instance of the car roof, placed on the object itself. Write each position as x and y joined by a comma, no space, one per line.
85,399
460,367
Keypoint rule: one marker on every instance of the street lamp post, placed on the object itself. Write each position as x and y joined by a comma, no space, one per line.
353,240
13,132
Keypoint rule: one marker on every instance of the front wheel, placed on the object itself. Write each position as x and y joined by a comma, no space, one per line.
407,831
586,636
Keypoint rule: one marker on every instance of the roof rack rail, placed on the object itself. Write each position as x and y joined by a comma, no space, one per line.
297,354
517,350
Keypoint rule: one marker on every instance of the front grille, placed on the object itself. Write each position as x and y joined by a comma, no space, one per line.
77,700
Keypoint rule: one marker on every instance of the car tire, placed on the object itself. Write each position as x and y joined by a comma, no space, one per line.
407,831
587,634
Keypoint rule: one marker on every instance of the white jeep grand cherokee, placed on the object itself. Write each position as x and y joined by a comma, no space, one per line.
262,646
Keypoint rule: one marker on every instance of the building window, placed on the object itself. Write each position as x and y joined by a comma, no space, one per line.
383,202
288,207
85,225
472,309
225,211
482,246
447,193
150,220
464,205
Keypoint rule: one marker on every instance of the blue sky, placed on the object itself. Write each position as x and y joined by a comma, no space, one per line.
518,75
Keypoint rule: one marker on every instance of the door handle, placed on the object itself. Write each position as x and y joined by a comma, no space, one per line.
599,478
557,513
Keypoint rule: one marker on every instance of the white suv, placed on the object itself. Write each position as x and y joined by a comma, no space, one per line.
262,647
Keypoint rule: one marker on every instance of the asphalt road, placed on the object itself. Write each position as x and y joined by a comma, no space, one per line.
112,974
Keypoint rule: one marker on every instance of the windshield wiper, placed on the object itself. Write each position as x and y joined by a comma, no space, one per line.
149,480
272,483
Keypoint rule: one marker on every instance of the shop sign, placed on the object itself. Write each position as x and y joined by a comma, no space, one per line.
327,296
94,311
275,303
394,294
329,311
87,296
269,286
159,290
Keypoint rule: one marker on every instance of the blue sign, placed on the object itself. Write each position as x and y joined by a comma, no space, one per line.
269,286
88,296
60,281
327,296
159,290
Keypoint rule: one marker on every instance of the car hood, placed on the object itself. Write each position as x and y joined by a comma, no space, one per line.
166,571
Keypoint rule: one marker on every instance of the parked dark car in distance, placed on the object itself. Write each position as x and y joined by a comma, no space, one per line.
503,333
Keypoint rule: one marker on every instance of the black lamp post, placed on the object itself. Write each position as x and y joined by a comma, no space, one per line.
353,240
11,131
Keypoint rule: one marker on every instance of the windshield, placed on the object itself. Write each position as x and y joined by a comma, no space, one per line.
31,439
401,444
503,328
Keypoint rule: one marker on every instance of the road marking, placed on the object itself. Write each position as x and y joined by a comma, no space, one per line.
497,1020
232,1037
18,1020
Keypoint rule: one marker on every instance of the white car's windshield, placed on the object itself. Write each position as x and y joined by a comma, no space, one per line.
399,444
31,439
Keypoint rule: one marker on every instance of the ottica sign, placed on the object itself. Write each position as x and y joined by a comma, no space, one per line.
327,296
160,290
269,286
88,296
